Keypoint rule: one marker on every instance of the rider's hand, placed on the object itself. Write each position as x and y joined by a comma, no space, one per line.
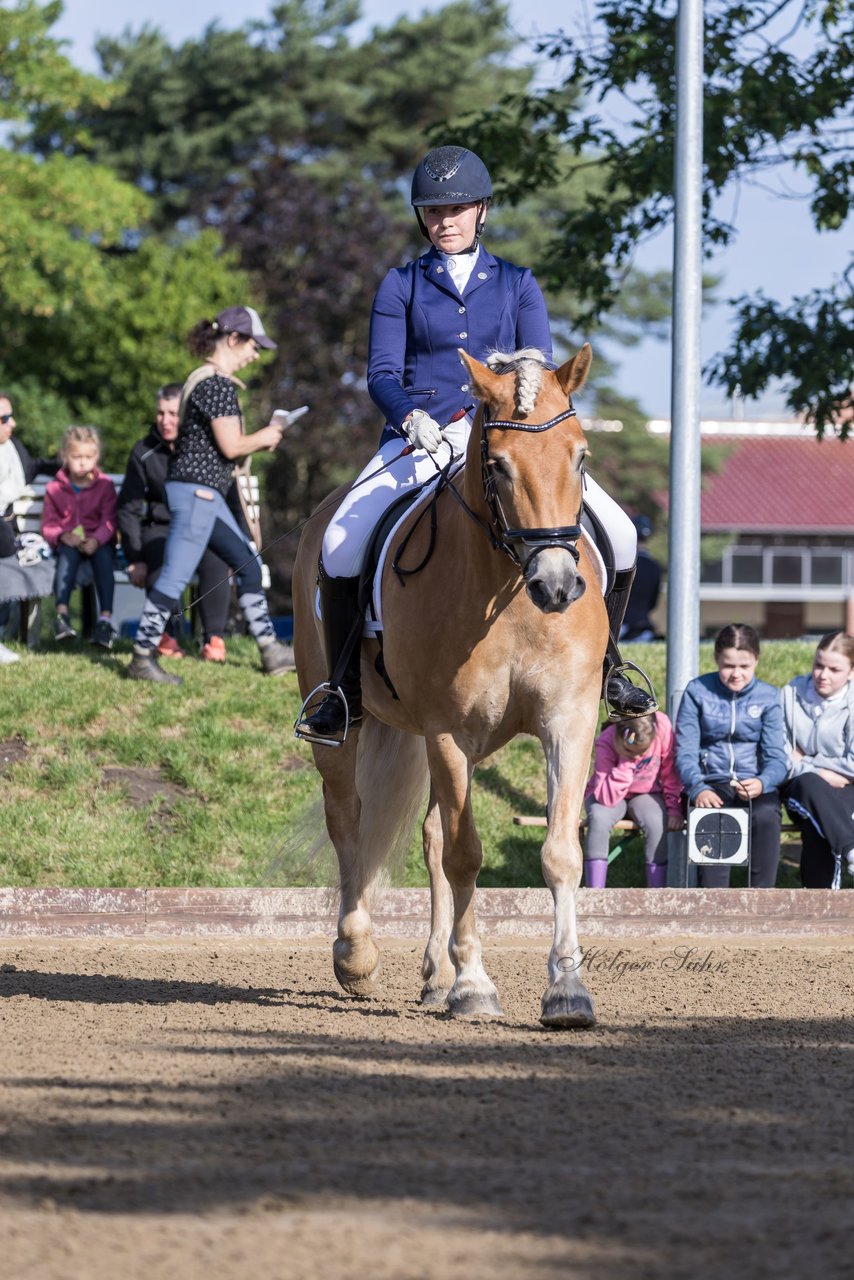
708,799
422,431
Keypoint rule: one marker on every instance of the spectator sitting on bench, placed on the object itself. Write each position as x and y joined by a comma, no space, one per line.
818,715
79,522
633,771
730,750
144,526
17,469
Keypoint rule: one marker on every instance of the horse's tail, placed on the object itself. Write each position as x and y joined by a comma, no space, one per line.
392,780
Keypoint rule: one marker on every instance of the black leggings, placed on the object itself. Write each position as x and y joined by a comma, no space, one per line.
764,840
824,815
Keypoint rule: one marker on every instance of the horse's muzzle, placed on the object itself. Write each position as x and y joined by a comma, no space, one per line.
552,580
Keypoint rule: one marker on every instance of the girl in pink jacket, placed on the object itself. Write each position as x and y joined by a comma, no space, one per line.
634,772
79,522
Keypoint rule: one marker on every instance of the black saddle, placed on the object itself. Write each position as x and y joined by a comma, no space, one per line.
387,521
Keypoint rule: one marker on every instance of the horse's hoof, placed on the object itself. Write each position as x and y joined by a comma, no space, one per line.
564,1010
434,997
474,1004
355,984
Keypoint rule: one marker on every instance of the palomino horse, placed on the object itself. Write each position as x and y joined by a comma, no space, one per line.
495,636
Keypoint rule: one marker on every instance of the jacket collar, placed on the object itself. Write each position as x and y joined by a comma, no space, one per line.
435,271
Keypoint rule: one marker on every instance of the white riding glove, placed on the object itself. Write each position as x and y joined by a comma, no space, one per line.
422,431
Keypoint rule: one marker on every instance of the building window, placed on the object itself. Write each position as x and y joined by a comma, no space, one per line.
745,567
828,568
786,568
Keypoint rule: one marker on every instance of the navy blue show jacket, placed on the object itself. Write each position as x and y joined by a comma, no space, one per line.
419,320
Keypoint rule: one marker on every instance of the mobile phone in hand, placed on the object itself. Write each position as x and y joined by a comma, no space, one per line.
286,417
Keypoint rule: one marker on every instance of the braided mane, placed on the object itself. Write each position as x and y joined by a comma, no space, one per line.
528,365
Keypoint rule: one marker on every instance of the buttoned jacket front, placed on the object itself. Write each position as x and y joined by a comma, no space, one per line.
419,320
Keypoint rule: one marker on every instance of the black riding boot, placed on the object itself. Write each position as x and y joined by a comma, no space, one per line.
625,700
339,602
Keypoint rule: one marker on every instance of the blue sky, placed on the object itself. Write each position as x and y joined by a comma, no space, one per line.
777,248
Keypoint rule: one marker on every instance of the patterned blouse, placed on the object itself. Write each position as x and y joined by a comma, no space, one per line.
197,458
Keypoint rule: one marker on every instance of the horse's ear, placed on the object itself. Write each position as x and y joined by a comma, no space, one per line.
573,374
484,382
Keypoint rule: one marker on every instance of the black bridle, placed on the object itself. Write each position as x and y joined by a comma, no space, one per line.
504,536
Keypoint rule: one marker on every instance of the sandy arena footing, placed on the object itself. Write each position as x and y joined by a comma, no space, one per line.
216,1109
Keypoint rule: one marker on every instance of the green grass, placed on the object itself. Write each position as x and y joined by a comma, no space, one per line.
229,784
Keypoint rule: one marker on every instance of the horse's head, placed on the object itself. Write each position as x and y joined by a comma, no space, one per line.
532,453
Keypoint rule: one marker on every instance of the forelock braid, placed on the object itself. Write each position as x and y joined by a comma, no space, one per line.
528,365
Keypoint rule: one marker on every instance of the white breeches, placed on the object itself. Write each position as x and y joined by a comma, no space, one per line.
345,542
618,526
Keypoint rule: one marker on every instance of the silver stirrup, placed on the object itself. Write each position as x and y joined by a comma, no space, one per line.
302,730
614,715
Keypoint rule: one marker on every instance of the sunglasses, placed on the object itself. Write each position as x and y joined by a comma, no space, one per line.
6,417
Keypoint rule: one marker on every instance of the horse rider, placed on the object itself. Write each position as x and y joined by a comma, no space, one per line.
455,295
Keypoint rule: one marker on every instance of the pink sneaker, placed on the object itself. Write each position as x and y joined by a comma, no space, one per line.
214,650
170,648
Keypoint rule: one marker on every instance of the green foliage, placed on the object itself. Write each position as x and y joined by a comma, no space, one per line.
61,213
187,122
820,328
34,73
104,362
765,104
95,310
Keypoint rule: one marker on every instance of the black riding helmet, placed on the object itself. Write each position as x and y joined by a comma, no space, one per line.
451,175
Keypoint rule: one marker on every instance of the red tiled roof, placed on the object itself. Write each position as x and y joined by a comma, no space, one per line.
771,484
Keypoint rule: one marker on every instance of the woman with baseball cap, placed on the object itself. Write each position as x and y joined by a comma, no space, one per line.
457,295
210,439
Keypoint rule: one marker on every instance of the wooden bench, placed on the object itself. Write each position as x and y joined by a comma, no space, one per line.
28,510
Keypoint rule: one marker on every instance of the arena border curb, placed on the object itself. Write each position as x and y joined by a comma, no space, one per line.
404,913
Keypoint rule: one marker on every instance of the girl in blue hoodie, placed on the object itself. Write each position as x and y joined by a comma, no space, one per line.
731,751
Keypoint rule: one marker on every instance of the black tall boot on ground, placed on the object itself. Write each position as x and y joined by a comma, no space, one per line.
339,602
623,699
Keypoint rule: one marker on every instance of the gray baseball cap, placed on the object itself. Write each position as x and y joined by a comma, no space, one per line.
247,321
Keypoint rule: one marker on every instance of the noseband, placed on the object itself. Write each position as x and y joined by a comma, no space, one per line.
564,537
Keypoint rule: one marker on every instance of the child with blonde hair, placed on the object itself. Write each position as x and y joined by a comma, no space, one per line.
79,522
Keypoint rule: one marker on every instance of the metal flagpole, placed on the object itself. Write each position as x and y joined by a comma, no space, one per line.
683,603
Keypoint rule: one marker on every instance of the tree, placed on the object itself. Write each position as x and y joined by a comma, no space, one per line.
184,122
105,362
61,213
95,308
766,105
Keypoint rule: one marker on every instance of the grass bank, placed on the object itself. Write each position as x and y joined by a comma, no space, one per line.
109,782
